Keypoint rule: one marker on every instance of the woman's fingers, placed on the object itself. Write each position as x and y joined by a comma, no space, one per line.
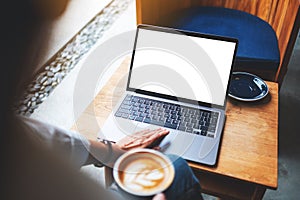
159,196
158,134
142,138
130,139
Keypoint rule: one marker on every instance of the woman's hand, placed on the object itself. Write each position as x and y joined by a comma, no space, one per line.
141,139
159,196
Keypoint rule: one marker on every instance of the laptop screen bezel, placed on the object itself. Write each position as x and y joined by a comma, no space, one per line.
188,33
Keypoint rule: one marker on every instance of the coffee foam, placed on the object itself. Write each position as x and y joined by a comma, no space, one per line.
145,173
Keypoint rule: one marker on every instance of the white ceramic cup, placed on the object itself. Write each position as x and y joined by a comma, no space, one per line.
143,172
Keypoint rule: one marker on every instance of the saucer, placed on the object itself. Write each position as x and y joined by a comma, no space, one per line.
247,87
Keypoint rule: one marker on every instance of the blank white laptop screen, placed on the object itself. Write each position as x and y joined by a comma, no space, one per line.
182,66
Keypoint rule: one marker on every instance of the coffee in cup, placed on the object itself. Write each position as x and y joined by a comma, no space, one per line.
143,172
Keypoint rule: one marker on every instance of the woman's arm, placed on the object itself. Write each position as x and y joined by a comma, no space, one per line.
107,152
81,151
103,153
69,144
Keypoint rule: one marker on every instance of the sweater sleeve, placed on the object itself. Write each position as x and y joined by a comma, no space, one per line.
70,144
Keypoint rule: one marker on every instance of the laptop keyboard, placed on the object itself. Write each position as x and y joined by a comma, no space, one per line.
168,115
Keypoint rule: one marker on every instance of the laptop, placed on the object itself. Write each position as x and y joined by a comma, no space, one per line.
177,80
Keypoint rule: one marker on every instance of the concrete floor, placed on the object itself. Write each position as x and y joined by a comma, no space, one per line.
289,161
289,129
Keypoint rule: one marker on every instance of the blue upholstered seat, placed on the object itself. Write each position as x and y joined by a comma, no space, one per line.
258,50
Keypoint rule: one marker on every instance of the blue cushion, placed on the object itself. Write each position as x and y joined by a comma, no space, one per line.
258,50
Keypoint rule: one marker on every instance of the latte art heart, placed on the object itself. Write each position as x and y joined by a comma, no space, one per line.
143,174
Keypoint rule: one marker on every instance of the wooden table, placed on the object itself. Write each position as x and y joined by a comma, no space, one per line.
248,159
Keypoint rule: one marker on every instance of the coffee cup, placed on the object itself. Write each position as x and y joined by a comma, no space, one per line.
143,172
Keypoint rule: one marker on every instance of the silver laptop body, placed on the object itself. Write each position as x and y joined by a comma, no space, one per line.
177,80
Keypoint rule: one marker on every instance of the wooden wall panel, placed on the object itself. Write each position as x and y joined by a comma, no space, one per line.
259,8
154,9
241,5
263,9
273,12
287,31
291,11
230,4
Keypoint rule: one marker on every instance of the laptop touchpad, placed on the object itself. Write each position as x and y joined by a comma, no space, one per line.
177,142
